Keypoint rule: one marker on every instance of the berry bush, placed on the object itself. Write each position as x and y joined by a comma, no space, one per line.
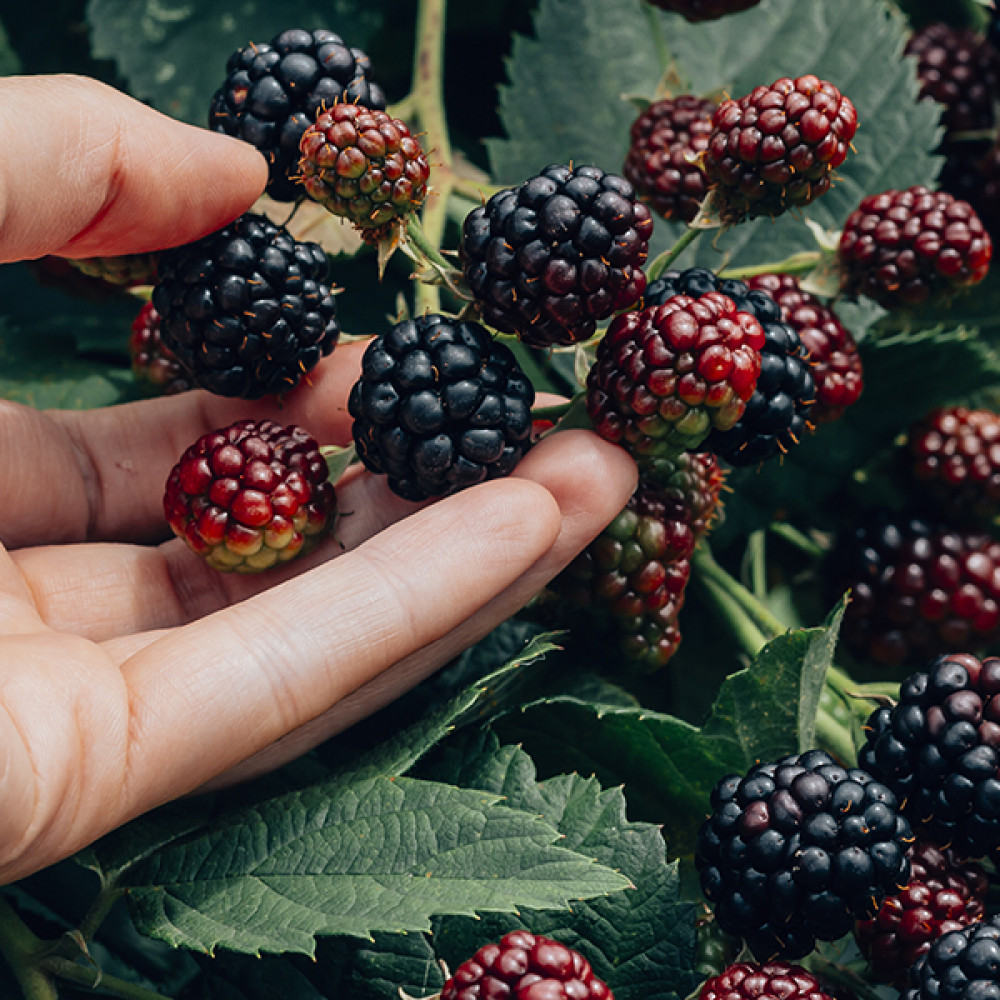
757,720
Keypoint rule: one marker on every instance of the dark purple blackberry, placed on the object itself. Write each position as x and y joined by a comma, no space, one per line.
274,91
440,406
938,748
797,850
549,259
245,309
777,414
747,981
962,965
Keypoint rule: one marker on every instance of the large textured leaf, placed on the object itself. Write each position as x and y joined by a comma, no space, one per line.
669,766
174,54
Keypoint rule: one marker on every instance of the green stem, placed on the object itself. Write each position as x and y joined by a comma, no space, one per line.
417,236
20,947
703,563
798,263
553,412
474,191
669,256
757,555
659,42
799,539
100,908
99,982
750,639
833,737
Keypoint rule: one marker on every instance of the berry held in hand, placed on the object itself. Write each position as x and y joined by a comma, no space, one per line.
152,361
251,496
440,406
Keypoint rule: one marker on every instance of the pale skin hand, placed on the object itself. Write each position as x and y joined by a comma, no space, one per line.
131,673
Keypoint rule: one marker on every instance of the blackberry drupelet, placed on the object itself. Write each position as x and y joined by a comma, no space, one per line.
796,850
962,965
773,981
152,361
938,748
440,406
548,259
246,309
127,271
692,483
274,91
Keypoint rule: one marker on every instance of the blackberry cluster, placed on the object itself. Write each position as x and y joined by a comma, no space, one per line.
902,248
274,91
246,309
704,10
152,361
693,483
942,895
777,413
525,966
440,406
747,981
662,161
961,965
549,259
795,851
938,748
830,347
917,589
777,147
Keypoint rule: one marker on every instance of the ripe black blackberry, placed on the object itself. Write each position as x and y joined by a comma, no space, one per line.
246,309
777,414
274,91
938,748
917,589
549,259
962,965
796,850
440,406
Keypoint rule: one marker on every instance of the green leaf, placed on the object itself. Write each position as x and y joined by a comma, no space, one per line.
174,55
668,766
9,63
382,854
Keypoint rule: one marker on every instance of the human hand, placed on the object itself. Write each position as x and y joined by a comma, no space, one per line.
132,673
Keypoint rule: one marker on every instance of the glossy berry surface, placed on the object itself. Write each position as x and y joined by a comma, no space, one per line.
830,347
771,981
693,484
548,259
152,361
942,895
364,166
250,496
661,162
525,966
704,10
246,309
777,147
960,965
901,248
274,90
440,406
917,588
796,850
938,748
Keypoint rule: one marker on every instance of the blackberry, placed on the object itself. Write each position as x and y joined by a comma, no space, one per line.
917,589
830,348
251,496
245,309
152,361
274,91
773,981
938,748
943,895
777,147
665,375
704,10
954,455
440,406
962,965
777,413
797,850
662,159
128,271
364,166
549,259
525,966
902,248
692,483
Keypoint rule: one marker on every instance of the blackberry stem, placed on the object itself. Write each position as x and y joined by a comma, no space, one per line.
705,566
20,947
98,981
750,638
417,236
799,539
834,738
659,42
553,413
798,263
669,256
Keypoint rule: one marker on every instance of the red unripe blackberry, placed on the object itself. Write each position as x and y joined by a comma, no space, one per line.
128,271
274,91
954,454
662,159
960,965
251,496
364,166
942,895
693,483
777,147
152,360
525,966
704,10
666,375
548,259
917,589
830,348
773,981
901,248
